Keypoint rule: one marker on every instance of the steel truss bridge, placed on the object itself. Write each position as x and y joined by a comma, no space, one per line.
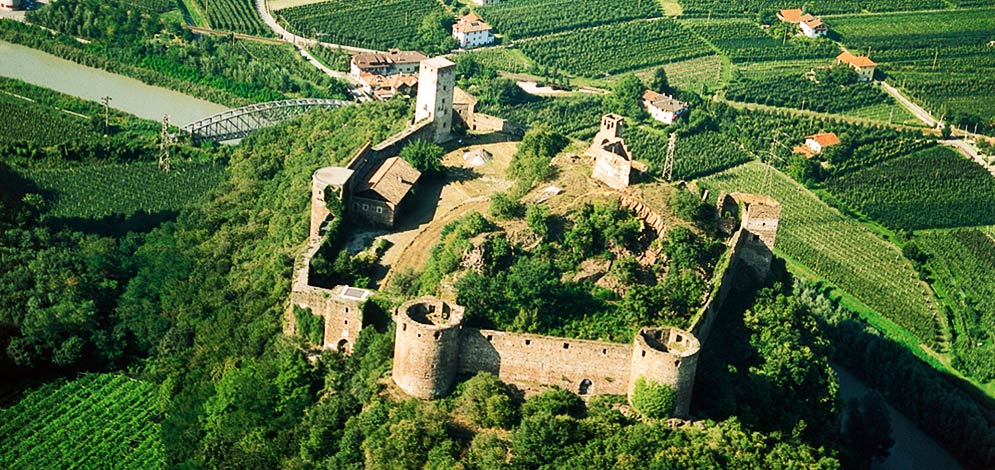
240,122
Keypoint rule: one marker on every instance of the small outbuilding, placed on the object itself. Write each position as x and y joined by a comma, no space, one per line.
818,142
477,157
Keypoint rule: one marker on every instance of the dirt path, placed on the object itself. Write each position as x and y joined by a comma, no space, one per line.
416,252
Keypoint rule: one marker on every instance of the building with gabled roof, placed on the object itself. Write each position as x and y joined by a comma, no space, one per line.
471,31
393,62
812,26
818,142
863,65
790,15
380,190
664,108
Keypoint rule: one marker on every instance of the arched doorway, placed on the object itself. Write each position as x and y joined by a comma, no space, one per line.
343,345
585,387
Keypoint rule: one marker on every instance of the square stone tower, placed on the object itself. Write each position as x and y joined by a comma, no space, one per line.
436,80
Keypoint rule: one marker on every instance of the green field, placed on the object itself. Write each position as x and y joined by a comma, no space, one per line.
234,15
842,251
374,24
931,188
724,8
97,191
44,126
527,18
612,49
941,58
98,421
962,262
745,41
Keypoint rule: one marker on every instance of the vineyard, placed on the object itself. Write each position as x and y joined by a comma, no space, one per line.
726,9
374,24
964,261
105,421
577,117
527,18
697,155
941,58
744,41
618,48
842,251
795,91
40,125
234,15
97,191
932,188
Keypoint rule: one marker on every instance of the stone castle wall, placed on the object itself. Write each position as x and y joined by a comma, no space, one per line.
534,361
427,347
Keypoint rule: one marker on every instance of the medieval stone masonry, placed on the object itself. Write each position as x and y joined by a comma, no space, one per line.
433,346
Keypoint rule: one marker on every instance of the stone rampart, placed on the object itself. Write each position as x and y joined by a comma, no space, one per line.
534,361
668,356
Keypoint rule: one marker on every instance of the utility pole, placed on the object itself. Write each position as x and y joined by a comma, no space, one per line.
164,141
668,164
106,101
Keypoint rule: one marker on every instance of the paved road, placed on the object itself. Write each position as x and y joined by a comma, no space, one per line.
302,43
919,112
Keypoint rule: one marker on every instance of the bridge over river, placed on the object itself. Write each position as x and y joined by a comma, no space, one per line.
240,122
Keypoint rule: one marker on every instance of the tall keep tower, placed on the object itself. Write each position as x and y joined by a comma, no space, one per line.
436,80
426,346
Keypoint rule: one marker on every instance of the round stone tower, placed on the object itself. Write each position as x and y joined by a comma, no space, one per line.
668,356
426,346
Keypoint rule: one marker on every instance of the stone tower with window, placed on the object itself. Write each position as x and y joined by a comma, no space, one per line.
436,80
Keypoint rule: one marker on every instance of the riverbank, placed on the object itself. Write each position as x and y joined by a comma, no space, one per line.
127,94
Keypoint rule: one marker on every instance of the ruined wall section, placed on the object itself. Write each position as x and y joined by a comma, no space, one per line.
647,215
534,361
668,356
426,347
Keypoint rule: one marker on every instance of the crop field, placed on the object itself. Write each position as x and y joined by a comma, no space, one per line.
955,40
744,41
691,74
801,93
724,8
41,125
950,94
964,261
105,421
618,48
697,155
842,251
374,24
932,188
527,18
97,191
234,15
510,60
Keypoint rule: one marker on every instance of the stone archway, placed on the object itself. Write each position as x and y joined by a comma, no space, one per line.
586,387
342,346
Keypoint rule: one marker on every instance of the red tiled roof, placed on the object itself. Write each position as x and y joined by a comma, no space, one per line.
394,179
792,15
824,139
856,61
664,102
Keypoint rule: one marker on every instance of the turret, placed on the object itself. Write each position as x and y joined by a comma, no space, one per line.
668,356
426,346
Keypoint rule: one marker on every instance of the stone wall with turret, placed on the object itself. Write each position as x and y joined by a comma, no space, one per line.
668,356
427,347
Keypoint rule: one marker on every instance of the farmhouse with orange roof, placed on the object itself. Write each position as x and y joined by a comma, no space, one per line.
863,65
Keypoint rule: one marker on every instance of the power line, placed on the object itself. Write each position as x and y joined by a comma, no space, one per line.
668,165
165,140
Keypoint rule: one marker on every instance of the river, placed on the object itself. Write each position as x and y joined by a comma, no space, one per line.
913,449
127,94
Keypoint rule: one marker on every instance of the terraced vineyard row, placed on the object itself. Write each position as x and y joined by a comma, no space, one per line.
697,155
744,41
617,48
96,421
375,24
724,8
43,126
234,15
122,189
965,260
527,18
843,252
932,188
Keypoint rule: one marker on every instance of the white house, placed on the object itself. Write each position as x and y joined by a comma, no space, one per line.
819,141
485,2
812,26
663,108
863,65
471,31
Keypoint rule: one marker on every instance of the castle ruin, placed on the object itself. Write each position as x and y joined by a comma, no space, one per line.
433,346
